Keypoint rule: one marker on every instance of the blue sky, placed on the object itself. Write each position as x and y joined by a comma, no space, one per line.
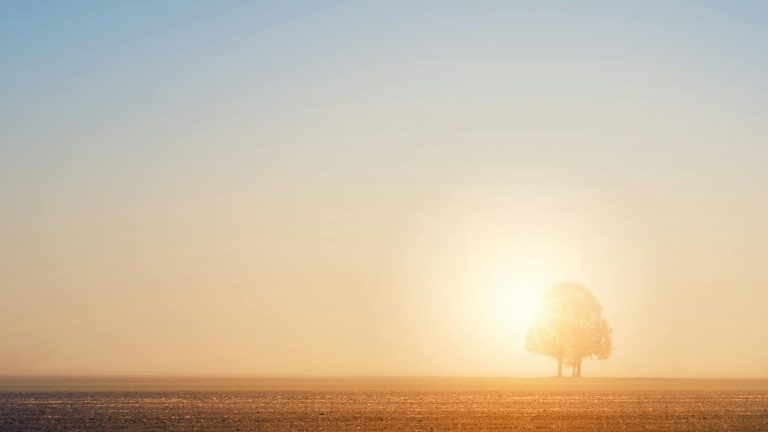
192,165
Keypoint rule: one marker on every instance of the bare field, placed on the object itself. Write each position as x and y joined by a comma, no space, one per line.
381,404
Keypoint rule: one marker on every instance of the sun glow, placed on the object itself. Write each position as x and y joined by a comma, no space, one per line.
514,303
517,306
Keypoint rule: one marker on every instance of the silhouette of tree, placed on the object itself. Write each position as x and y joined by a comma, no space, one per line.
569,326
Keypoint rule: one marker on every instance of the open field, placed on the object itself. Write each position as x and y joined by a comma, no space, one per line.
372,404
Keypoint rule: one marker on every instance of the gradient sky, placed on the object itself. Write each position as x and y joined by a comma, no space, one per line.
380,188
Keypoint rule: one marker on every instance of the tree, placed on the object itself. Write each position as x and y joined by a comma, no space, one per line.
569,326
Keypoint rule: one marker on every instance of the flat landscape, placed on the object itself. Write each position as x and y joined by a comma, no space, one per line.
374,404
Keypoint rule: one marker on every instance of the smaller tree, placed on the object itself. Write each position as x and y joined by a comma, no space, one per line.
569,327
541,339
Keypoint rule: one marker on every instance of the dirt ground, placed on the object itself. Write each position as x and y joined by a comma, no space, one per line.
380,404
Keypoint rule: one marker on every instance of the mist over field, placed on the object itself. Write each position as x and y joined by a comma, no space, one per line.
351,188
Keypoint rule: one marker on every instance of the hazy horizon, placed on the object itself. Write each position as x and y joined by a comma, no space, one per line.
363,189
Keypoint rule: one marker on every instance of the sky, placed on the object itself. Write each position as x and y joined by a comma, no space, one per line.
380,188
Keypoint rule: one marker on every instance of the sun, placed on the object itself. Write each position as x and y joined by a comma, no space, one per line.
514,306
511,293
523,306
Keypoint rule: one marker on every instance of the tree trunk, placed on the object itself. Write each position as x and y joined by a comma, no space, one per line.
578,368
559,367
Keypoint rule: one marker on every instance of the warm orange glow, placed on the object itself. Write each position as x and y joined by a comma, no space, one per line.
367,188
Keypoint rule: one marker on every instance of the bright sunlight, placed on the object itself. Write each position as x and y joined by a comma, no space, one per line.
513,302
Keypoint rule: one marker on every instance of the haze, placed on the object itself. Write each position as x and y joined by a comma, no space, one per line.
353,188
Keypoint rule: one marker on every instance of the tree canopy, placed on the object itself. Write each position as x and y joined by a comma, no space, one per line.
570,326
